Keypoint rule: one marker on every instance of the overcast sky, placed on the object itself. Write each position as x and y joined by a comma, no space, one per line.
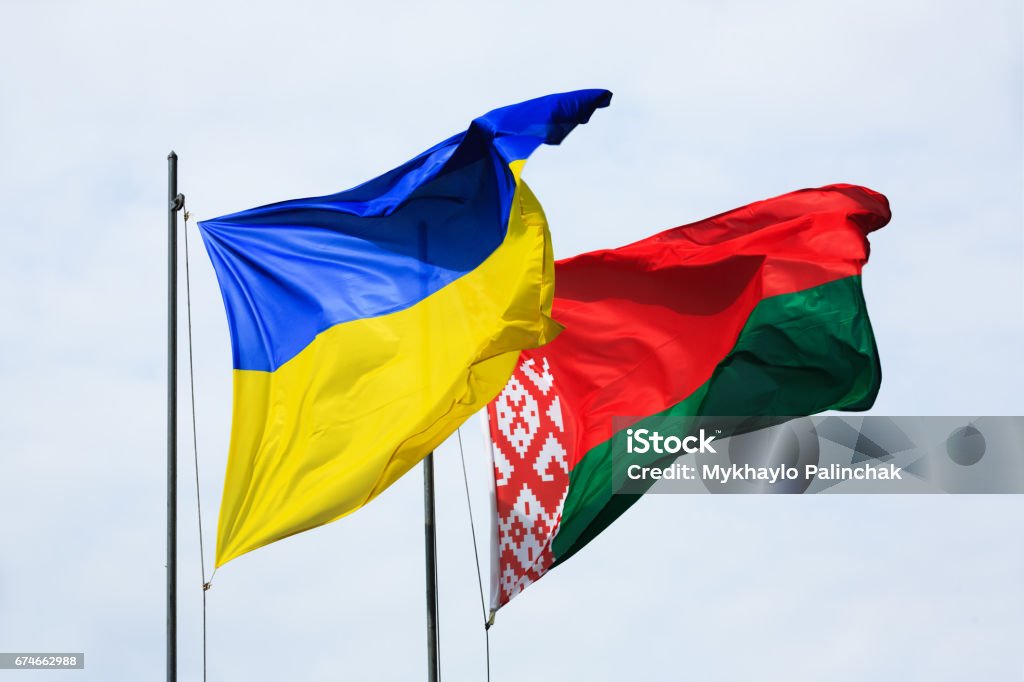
716,104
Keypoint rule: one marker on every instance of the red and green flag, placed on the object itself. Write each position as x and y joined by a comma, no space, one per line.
757,311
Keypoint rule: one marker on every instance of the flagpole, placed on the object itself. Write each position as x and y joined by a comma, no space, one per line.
174,203
433,662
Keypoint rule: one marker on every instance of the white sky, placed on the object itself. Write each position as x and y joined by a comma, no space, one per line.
716,104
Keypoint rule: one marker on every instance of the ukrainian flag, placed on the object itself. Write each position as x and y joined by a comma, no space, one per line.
367,325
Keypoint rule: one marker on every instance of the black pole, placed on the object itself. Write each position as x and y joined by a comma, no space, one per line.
433,662
174,203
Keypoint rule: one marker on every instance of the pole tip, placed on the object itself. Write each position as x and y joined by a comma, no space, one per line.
172,155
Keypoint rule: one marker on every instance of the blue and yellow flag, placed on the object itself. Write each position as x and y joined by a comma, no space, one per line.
367,325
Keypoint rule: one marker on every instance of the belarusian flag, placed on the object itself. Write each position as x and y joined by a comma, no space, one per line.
757,311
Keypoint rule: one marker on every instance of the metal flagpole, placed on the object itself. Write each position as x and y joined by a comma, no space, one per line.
175,202
433,662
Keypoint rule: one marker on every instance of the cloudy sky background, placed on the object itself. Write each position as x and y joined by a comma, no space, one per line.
716,104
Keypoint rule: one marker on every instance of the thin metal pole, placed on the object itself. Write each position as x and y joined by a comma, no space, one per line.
174,203
433,662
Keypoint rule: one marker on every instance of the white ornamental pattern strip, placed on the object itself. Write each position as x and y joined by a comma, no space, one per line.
531,472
